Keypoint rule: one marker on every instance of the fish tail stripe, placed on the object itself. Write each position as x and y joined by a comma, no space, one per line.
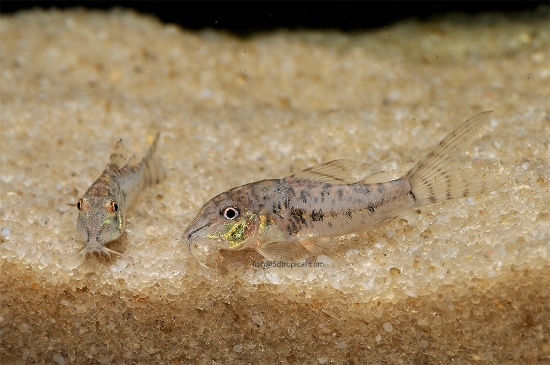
436,177
154,172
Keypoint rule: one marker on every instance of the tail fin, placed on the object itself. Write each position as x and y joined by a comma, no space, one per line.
154,172
436,178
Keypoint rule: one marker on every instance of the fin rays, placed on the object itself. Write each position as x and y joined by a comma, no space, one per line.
436,178
120,156
333,172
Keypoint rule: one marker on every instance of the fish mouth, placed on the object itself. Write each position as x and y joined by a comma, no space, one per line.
188,236
190,244
99,249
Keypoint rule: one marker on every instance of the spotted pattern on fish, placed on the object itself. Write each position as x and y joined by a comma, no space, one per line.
325,201
102,209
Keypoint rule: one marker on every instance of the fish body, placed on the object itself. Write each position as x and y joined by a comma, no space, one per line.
287,218
102,209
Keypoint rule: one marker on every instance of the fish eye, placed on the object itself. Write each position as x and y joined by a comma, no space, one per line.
113,207
230,213
79,204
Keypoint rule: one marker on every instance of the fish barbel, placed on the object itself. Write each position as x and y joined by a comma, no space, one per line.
102,209
283,219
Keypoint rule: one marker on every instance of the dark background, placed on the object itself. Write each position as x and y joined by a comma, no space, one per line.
244,18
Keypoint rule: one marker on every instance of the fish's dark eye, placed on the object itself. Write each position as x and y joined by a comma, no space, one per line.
114,206
230,213
79,204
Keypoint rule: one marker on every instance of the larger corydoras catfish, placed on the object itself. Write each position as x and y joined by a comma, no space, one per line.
102,209
326,201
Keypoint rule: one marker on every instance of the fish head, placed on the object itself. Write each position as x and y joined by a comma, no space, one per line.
228,221
100,221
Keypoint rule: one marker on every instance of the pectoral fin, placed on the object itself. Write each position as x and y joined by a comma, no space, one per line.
283,251
296,250
319,245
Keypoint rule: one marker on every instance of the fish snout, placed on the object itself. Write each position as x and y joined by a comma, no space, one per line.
190,233
94,234
199,249
95,230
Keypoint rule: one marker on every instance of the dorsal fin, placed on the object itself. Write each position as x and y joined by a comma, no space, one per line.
120,156
333,172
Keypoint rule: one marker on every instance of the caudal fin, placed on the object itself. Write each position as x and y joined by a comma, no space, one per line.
436,177
154,172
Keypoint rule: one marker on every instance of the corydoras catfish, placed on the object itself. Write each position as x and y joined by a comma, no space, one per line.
102,209
283,219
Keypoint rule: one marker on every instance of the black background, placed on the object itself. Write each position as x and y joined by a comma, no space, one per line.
244,18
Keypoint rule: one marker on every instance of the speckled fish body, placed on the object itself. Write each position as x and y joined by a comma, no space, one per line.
285,218
102,209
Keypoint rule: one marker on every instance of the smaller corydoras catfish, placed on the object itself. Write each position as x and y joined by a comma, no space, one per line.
285,218
102,209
